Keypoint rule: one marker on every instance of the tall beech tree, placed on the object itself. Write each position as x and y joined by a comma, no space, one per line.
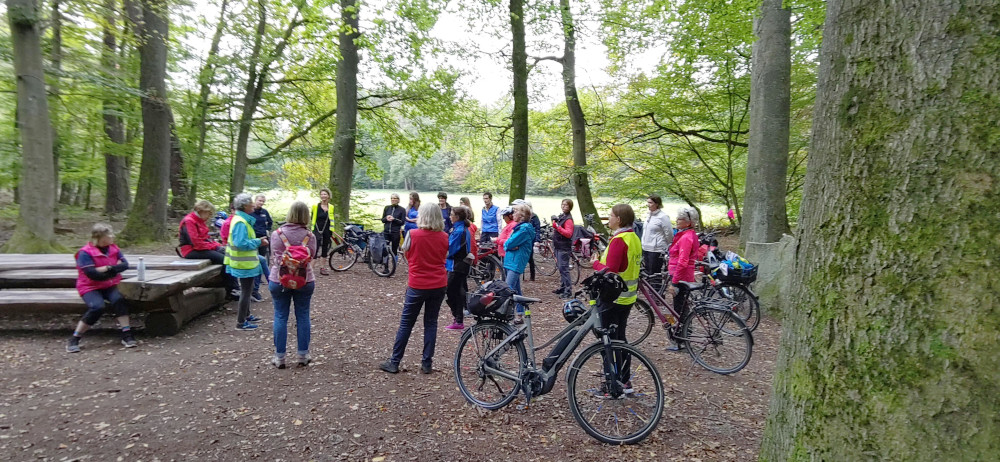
893,353
117,197
519,64
148,217
345,138
34,232
764,216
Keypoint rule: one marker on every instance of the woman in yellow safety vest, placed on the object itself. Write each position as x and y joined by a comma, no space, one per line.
622,256
242,260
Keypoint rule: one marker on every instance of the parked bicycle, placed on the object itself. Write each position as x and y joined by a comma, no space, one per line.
710,330
614,390
487,265
368,246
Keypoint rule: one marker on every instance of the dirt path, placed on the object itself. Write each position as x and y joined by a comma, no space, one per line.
210,393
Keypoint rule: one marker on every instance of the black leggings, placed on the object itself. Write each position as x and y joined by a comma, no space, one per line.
393,238
456,294
324,240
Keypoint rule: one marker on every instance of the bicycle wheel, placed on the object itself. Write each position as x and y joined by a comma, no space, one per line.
488,269
343,258
747,308
574,269
717,339
625,419
485,389
385,267
640,322
545,260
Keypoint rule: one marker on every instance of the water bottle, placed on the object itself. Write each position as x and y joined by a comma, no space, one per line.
142,269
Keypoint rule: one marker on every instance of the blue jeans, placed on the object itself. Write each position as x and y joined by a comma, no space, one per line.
514,281
415,298
282,299
263,276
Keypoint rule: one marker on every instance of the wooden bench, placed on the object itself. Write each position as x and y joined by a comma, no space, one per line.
173,292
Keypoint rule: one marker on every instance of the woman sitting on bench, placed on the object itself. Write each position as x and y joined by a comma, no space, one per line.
100,264
195,243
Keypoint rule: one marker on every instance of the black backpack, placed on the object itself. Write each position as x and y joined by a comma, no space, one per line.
492,300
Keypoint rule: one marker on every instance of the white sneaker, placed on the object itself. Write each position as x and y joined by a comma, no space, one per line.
278,362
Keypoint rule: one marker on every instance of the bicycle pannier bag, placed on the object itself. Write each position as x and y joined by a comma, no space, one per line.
294,261
377,245
492,299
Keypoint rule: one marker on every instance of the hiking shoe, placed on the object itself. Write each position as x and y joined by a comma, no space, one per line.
425,369
128,340
518,319
676,347
253,318
234,294
278,362
455,326
324,272
247,325
627,388
74,345
305,359
559,291
256,297
389,367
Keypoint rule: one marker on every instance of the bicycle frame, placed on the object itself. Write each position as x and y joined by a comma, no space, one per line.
656,301
546,377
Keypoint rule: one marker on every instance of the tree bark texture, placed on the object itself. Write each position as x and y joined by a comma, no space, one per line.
117,197
205,80
345,137
893,352
764,214
34,232
577,119
148,219
519,64
179,204
56,56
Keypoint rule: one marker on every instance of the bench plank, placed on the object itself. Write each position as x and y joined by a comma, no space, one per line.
159,284
33,262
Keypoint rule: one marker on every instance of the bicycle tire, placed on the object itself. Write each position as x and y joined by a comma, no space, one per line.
545,259
385,268
344,258
488,269
574,269
479,388
748,306
640,322
717,339
627,419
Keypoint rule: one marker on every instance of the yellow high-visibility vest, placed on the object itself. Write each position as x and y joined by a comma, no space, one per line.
631,273
236,258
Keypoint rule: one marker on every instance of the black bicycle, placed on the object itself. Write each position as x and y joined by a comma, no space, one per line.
359,244
615,392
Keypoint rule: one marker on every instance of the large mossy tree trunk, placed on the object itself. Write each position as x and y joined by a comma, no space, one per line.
893,350
577,119
345,137
35,230
117,197
519,64
764,214
147,221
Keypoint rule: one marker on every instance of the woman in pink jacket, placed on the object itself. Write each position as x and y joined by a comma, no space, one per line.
683,255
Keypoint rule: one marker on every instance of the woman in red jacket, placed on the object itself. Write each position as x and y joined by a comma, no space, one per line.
425,286
193,235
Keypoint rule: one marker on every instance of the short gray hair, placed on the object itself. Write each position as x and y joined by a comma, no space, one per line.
689,213
429,217
242,200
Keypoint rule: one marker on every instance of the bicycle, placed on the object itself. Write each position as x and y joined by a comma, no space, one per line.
614,390
712,333
487,265
355,244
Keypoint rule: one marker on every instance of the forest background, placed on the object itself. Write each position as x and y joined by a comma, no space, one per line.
251,99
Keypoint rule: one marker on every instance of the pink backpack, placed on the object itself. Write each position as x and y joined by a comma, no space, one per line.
295,260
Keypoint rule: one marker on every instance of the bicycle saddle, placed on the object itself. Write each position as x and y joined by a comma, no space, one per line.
520,299
691,285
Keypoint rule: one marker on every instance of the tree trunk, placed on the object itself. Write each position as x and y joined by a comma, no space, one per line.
577,120
342,163
148,218
249,106
34,232
894,353
519,63
117,197
179,204
205,79
764,216
54,95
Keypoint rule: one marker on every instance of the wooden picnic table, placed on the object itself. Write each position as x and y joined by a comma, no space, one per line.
174,290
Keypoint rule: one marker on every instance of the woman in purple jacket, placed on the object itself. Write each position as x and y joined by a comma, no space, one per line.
295,229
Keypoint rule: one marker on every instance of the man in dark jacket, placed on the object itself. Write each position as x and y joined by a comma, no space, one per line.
394,217
261,228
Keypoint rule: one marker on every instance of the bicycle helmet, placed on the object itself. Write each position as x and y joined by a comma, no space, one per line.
573,309
220,218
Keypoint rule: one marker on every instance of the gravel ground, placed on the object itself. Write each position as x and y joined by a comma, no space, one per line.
210,392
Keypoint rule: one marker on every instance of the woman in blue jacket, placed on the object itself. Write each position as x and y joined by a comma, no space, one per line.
518,247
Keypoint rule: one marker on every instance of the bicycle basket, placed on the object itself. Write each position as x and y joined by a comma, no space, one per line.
742,275
492,300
